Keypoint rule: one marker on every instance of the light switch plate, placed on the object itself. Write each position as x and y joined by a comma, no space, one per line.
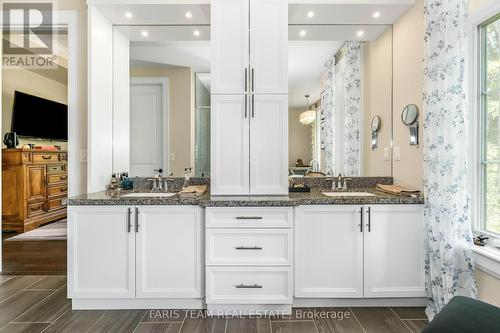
171,156
397,153
83,155
387,155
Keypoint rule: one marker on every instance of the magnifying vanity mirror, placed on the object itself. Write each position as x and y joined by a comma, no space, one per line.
409,117
347,72
375,127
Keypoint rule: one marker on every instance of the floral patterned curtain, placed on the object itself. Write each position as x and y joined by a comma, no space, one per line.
449,268
327,116
352,95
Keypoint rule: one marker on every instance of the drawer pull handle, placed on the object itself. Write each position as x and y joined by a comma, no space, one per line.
46,157
64,189
248,248
249,217
247,286
63,177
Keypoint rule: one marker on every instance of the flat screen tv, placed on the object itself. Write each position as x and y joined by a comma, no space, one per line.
36,117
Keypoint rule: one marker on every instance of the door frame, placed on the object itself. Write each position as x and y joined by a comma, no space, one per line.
165,112
77,165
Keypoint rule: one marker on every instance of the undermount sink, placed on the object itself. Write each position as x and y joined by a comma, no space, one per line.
149,195
348,194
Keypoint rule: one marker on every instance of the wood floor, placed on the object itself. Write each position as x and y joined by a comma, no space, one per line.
39,304
34,257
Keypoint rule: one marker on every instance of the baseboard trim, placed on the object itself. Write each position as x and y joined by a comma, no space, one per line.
135,303
356,302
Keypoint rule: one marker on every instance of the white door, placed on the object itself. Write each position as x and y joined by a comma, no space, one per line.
328,252
147,126
394,251
269,144
229,151
229,55
101,252
269,46
169,252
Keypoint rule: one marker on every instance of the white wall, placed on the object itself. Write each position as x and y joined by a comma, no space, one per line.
100,101
121,102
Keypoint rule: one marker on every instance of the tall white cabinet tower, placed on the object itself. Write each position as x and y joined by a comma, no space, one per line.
249,122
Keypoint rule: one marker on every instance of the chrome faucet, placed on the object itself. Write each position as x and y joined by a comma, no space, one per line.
314,164
157,180
341,182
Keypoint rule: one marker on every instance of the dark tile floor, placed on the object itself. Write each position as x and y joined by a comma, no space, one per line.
39,304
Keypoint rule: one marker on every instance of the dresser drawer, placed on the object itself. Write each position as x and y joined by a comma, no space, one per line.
56,204
36,209
45,157
52,179
244,217
249,247
230,285
59,168
57,190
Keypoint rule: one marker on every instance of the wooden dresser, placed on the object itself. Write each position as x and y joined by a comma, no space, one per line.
34,184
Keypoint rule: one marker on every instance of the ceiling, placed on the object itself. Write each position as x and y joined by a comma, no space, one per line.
357,12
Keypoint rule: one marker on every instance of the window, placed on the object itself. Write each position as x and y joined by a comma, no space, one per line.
489,106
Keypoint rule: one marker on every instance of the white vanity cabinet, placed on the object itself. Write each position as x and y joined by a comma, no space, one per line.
328,252
371,251
394,251
249,257
249,92
142,252
249,46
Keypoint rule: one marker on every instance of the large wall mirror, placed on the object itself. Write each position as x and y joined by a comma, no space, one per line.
346,70
169,73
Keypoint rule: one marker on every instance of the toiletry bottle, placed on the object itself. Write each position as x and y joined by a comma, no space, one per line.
187,172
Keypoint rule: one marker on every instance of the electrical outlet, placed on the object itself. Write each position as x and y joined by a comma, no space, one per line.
83,155
387,154
397,153
171,156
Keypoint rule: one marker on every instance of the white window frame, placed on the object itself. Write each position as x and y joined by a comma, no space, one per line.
476,20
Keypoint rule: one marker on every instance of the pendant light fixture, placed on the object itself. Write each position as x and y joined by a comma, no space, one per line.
309,116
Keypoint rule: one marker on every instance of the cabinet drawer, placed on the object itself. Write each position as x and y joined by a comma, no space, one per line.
51,179
36,209
59,168
45,157
243,217
57,190
252,285
249,247
55,204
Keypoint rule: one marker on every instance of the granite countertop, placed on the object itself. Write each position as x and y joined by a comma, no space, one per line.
315,197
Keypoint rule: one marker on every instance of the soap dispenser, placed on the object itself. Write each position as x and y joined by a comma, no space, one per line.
187,174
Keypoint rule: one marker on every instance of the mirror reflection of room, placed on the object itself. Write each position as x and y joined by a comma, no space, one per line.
169,76
340,79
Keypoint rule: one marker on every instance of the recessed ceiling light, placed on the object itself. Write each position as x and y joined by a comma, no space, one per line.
128,15
376,15
360,33
188,15
144,33
196,33
302,33
310,14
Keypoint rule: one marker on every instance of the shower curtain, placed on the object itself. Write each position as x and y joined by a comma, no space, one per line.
449,269
352,120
